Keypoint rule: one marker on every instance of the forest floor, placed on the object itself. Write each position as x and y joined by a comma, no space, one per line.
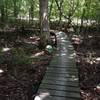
22,67
88,64
19,79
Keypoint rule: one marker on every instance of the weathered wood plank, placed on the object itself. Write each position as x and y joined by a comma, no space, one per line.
60,93
61,75
62,83
60,88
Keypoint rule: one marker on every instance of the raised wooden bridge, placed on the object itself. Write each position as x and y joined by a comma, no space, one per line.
61,79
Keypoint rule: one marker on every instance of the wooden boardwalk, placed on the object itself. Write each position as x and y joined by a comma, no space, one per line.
61,78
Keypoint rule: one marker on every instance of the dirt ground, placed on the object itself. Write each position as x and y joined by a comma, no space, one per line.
19,76
88,64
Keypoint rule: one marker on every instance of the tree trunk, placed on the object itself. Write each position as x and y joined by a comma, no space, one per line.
51,9
44,23
15,9
6,11
31,11
2,11
82,19
59,5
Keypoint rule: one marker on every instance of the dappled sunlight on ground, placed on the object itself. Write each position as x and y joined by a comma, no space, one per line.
98,59
37,54
1,71
70,46
63,54
72,56
64,41
5,49
42,96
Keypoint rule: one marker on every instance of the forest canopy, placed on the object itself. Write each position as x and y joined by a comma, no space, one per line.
88,10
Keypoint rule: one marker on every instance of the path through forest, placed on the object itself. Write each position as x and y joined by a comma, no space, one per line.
61,78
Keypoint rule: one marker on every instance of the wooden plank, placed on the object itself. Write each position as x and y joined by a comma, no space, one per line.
58,98
65,64
63,72
60,88
73,79
74,84
61,75
61,93
66,74
62,69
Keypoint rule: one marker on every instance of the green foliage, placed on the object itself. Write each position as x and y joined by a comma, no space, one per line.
29,9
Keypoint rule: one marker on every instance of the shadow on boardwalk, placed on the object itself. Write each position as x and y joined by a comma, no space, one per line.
61,78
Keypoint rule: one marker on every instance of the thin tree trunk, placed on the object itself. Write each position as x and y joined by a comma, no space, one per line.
2,11
51,9
82,19
6,11
60,9
31,10
15,9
